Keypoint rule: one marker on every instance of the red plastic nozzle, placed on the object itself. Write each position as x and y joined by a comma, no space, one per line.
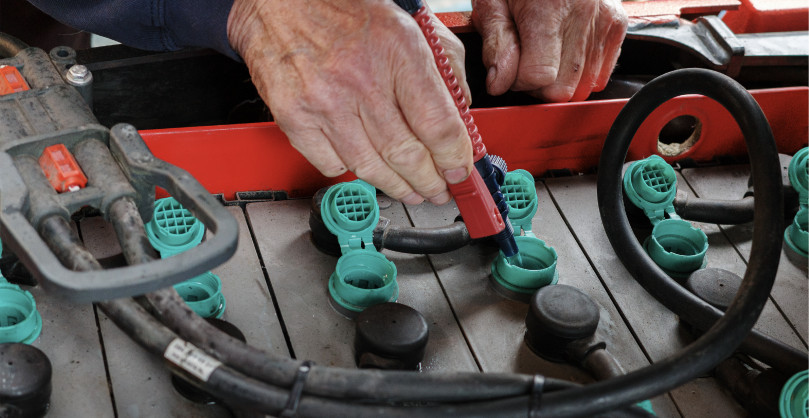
480,214
11,81
61,169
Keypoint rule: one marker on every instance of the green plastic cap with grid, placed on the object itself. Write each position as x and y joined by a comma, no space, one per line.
799,175
363,277
651,185
520,192
173,229
20,321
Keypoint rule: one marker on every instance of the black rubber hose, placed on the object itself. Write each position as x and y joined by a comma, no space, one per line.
713,211
10,45
66,245
727,333
334,382
129,229
248,393
424,240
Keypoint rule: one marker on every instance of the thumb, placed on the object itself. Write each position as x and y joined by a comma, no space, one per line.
501,45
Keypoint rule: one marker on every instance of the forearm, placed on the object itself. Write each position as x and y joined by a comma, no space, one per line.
149,24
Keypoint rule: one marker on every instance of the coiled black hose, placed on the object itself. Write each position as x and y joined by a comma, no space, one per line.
728,331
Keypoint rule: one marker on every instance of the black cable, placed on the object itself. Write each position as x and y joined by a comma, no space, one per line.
714,211
129,230
10,45
437,240
331,382
728,332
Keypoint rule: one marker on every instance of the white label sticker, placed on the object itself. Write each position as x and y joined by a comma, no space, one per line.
191,359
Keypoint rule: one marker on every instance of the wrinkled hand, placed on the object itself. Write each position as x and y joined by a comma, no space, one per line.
557,50
354,86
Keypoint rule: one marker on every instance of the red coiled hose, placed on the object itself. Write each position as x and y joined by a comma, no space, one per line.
441,60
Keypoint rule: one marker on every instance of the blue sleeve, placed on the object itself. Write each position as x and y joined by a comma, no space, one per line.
157,25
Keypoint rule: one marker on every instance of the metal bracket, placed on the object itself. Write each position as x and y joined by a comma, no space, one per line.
713,43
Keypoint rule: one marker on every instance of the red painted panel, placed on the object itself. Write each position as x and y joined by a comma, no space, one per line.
460,22
757,16
250,157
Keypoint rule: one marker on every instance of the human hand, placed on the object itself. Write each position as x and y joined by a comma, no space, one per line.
354,86
556,50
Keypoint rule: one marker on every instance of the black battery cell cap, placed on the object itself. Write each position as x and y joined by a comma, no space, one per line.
25,380
390,336
715,286
558,315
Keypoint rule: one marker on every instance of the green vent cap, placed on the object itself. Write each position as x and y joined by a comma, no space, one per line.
651,184
173,229
350,212
520,192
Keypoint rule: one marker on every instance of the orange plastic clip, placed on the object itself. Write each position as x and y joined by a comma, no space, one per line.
11,80
61,169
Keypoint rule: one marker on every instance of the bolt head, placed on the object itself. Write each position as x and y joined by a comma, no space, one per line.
79,74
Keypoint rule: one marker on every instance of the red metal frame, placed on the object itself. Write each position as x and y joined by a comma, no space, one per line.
743,16
460,22
756,16
539,138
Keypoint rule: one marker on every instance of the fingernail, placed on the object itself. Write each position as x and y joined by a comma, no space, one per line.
441,198
455,175
412,199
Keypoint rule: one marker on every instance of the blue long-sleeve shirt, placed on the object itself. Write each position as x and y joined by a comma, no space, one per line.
157,25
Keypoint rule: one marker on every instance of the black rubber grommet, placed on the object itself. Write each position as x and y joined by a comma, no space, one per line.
715,286
559,314
390,336
25,379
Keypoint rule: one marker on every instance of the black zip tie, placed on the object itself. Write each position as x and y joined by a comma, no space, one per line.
295,393
535,400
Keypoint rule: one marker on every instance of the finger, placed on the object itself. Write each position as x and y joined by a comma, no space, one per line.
606,71
350,140
455,51
501,44
429,110
594,63
403,152
615,37
316,148
540,46
578,39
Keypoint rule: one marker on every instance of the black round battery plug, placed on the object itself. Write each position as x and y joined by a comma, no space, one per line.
558,315
715,286
390,336
25,380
